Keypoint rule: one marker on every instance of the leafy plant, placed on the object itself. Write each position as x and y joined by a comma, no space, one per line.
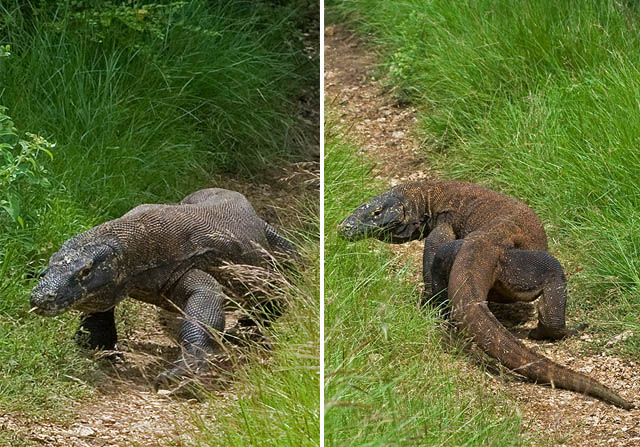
19,163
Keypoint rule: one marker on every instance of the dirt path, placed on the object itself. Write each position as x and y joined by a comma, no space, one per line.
383,130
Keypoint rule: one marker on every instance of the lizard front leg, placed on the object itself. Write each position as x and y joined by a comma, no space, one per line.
97,331
439,236
440,270
202,300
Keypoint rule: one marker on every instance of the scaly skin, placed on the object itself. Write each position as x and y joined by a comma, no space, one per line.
481,245
166,255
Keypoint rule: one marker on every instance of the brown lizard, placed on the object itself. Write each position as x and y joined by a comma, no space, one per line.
481,245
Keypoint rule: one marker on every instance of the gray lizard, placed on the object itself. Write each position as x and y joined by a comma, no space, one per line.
168,255
481,245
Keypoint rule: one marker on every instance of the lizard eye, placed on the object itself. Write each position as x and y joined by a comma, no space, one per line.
85,271
377,212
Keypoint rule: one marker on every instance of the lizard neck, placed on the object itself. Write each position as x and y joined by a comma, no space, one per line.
422,199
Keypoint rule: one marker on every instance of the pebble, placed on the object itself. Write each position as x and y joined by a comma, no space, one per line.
81,431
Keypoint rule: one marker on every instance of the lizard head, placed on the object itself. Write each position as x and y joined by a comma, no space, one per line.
387,217
82,275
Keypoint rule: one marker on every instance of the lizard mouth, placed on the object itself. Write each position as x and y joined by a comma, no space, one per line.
42,312
46,301
50,302
48,311
85,305
351,231
91,305
388,227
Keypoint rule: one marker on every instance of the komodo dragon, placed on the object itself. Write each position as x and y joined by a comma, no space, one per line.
165,255
481,245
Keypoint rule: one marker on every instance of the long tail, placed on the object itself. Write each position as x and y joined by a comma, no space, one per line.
282,247
469,283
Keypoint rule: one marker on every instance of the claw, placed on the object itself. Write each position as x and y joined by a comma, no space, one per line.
167,378
184,369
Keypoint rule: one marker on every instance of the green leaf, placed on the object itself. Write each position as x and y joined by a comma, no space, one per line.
47,151
12,207
33,162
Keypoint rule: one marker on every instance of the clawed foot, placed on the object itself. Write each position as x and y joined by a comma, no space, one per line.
103,348
184,369
544,333
115,355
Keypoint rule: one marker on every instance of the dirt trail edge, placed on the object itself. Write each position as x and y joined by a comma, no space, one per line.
383,129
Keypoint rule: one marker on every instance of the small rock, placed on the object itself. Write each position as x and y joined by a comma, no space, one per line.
81,431
108,420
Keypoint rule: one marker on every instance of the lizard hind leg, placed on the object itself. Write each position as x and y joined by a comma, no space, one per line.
202,302
528,274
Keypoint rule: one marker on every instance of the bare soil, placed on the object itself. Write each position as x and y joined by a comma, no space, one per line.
384,130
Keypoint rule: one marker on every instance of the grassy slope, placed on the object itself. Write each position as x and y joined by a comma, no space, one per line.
537,99
389,380
137,117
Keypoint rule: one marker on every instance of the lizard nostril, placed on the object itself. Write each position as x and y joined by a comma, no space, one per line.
42,298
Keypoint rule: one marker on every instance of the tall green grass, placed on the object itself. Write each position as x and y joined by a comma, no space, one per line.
539,100
212,93
389,378
146,102
278,398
